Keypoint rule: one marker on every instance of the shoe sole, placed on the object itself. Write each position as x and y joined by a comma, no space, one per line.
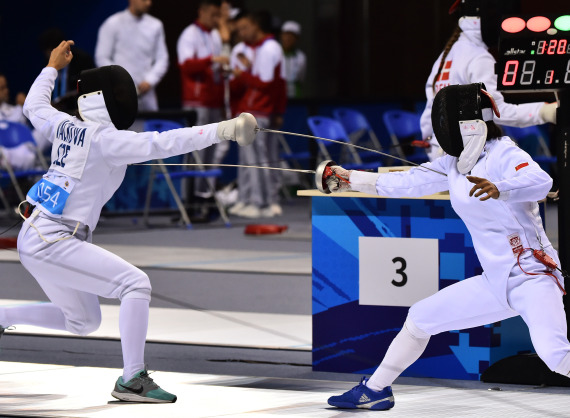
378,407
133,397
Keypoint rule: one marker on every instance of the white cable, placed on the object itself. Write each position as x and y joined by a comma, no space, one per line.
35,213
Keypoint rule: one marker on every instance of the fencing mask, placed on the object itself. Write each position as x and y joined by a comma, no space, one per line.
458,117
108,90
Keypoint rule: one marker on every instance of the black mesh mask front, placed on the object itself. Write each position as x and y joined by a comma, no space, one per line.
118,89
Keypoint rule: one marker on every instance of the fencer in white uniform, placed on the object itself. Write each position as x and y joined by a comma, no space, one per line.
494,187
88,163
469,61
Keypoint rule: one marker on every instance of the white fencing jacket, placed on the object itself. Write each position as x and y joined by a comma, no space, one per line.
491,223
468,62
92,157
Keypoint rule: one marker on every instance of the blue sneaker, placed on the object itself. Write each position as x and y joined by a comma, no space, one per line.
364,398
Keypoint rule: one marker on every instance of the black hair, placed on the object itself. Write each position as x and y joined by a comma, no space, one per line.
452,39
50,38
261,18
242,13
217,3
493,130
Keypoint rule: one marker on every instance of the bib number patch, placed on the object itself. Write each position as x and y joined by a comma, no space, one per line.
51,194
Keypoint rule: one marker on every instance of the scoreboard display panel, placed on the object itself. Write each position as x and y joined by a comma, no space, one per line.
534,54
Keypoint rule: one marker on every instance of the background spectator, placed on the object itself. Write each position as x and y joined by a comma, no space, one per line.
201,65
257,64
135,40
295,59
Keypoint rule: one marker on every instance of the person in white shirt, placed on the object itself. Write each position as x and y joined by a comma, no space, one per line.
89,158
295,59
12,113
135,40
23,156
494,187
466,59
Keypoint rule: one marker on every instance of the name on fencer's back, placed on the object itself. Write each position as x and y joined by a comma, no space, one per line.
70,133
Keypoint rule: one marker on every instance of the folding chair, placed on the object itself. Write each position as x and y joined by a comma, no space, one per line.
13,134
329,128
404,125
160,125
356,126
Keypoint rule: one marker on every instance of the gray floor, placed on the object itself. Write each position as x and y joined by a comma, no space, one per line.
226,291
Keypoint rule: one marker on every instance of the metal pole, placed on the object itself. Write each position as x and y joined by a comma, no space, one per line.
563,177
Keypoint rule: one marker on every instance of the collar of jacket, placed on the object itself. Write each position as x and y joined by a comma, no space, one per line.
260,42
471,29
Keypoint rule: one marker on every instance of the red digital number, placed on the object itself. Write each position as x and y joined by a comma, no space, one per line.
511,68
551,47
549,77
541,46
562,47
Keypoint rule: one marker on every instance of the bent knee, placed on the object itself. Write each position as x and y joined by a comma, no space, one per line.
137,286
413,327
84,326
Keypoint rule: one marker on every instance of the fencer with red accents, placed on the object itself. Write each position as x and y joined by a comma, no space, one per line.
465,60
494,187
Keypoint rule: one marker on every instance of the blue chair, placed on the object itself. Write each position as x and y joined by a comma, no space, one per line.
160,125
532,140
357,127
329,128
13,134
404,127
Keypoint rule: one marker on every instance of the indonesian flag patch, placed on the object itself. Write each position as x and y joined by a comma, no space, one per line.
521,165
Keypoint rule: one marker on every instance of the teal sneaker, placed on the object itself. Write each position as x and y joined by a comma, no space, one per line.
141,388
3,330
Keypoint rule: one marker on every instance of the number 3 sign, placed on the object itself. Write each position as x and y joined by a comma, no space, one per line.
397,271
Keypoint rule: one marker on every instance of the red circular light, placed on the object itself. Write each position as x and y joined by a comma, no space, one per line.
538,24
513,24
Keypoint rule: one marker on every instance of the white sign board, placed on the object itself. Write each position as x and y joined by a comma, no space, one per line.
397,271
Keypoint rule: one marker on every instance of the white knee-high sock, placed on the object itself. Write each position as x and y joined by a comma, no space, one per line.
404,350
46,315
133,325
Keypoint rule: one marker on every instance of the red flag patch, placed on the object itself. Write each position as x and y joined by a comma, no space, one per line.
521,165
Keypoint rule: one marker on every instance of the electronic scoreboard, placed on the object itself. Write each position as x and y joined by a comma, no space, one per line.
534,54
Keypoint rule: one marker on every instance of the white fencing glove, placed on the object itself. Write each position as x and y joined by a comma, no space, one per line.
548,112
337,180
241,129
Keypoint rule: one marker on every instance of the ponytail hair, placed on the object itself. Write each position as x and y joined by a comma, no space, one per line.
493,130
452,39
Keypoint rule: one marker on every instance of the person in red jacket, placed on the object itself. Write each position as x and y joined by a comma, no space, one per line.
201,64
258,76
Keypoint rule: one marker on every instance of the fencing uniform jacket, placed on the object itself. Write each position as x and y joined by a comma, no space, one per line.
494,224
469,61
202,83
138,45
89,159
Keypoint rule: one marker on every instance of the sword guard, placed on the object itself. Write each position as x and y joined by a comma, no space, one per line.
322,172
